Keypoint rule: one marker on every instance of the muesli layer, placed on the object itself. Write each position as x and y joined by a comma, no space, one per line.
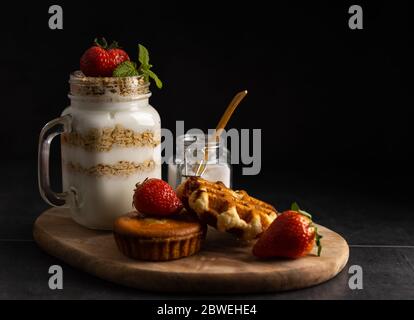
121,168
105,139
116,88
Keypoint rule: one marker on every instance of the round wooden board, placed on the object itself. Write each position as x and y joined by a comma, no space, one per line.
225,265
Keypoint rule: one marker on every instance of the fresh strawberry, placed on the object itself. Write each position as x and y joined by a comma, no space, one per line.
101,60
116,57
95,63
291,235
156,197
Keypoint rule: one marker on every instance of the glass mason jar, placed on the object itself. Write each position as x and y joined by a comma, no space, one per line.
110,140
200,155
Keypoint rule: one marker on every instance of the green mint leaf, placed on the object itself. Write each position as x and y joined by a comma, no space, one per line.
145,73
157,80
143,56
126,69
144,68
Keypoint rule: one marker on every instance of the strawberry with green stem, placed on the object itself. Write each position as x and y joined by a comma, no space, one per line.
102,59
156,197
292,235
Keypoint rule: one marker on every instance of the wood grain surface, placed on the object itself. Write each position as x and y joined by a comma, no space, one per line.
225,265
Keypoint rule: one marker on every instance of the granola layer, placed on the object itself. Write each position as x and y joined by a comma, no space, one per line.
117,88
105,139
121,168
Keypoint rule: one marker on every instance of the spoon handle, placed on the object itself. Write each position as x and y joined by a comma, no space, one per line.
221,125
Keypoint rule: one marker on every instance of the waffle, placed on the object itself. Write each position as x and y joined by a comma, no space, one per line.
225,209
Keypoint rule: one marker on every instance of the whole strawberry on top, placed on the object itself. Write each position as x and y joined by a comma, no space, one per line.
291,235
156,197
101,60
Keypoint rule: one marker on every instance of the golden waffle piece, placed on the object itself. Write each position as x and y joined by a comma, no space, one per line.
226,209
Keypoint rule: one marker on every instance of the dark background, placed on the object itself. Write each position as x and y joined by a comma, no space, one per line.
333,103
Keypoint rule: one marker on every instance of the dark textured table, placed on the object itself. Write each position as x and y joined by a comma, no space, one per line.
378,227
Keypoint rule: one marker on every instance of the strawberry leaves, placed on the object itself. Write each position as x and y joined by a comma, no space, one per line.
318,237
129,69
295,207
102,43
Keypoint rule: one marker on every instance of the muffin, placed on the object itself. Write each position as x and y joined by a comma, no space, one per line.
158,239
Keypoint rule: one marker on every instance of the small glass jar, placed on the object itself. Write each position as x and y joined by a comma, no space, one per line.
200,155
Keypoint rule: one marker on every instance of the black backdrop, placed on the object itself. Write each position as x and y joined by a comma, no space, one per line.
333,103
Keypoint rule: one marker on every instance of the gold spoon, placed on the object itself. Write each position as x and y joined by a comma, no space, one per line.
220,127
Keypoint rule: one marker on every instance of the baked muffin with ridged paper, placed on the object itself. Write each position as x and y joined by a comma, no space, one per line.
143,237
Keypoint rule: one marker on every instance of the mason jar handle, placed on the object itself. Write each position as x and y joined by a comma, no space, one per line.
50,131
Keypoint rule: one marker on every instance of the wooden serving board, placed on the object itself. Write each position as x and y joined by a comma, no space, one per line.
225,265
